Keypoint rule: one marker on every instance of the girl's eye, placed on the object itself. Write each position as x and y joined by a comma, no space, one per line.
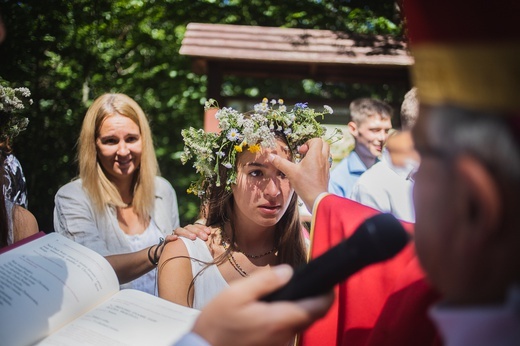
281,174
131,139
256,173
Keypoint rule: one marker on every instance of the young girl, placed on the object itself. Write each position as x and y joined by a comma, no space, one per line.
249,205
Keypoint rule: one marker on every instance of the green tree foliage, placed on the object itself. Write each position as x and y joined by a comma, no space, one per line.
69,52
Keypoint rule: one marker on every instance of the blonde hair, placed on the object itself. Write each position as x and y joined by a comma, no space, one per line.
100,189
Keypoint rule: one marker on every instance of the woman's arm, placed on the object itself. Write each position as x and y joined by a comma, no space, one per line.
24,223
132,265
174,274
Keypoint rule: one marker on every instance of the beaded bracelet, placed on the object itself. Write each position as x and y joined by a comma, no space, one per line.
155,260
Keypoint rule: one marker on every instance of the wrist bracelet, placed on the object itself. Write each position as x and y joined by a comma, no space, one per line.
156,258
150,257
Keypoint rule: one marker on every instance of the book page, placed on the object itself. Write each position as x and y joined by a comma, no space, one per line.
48,282
129,318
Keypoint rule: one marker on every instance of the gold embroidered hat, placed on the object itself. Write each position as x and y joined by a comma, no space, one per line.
467,53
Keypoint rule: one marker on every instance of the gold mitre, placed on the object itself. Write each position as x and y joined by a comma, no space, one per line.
467,53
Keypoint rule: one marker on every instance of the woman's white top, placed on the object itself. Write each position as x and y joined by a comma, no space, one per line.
147,282
76,218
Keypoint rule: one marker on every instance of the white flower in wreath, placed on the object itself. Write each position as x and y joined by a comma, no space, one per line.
233,135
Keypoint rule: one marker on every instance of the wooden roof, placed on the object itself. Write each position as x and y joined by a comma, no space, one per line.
296,53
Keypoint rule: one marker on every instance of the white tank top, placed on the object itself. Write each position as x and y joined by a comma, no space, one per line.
210,282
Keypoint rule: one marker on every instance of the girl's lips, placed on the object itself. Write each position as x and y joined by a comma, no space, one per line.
269,209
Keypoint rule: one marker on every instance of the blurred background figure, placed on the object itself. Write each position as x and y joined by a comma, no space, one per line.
467,189
388,185
16,222
371,121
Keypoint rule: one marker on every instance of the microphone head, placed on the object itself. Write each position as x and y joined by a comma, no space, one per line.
386,235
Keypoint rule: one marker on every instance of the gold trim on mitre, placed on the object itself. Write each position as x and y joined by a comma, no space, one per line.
474,76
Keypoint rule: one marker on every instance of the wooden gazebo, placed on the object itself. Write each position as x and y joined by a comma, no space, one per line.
219,50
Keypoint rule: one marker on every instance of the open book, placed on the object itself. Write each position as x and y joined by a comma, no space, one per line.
54,291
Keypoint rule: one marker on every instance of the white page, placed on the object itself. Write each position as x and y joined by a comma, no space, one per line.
130,317
48,282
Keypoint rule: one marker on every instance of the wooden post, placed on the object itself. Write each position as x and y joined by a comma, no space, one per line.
214,86
210,123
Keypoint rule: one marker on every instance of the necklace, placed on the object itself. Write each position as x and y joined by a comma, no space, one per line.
225,242
235,265
231,258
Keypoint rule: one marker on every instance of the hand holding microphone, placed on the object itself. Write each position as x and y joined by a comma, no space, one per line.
377,239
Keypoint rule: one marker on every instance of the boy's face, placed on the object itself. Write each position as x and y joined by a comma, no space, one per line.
371,134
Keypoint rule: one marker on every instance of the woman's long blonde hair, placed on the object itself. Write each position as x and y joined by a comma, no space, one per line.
100,189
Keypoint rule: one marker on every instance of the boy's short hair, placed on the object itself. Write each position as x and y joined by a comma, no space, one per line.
364,108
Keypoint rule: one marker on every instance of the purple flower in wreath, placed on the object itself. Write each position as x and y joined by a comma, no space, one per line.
301,105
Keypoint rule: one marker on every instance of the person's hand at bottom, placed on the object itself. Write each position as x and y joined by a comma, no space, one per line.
237,317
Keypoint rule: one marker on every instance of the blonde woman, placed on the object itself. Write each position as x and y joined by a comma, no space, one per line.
119,206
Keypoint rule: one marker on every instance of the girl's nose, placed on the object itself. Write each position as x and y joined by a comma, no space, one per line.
272,188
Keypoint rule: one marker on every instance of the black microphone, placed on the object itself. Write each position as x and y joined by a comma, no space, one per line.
377,239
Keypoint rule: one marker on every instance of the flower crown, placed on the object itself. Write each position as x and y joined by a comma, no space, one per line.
12,102
251,131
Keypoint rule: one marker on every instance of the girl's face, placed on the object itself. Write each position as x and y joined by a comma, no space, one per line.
262,193
119,147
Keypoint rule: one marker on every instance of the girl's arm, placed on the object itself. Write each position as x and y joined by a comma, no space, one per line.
174,274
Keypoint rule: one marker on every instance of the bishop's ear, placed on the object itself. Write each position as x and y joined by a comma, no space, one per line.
483,205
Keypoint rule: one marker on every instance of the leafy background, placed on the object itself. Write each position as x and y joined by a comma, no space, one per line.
69,52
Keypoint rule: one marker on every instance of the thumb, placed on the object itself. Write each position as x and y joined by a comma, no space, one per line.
284,165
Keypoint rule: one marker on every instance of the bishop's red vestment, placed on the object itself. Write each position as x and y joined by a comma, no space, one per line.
383,304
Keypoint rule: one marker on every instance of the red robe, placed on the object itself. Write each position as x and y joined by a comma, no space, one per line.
385,303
